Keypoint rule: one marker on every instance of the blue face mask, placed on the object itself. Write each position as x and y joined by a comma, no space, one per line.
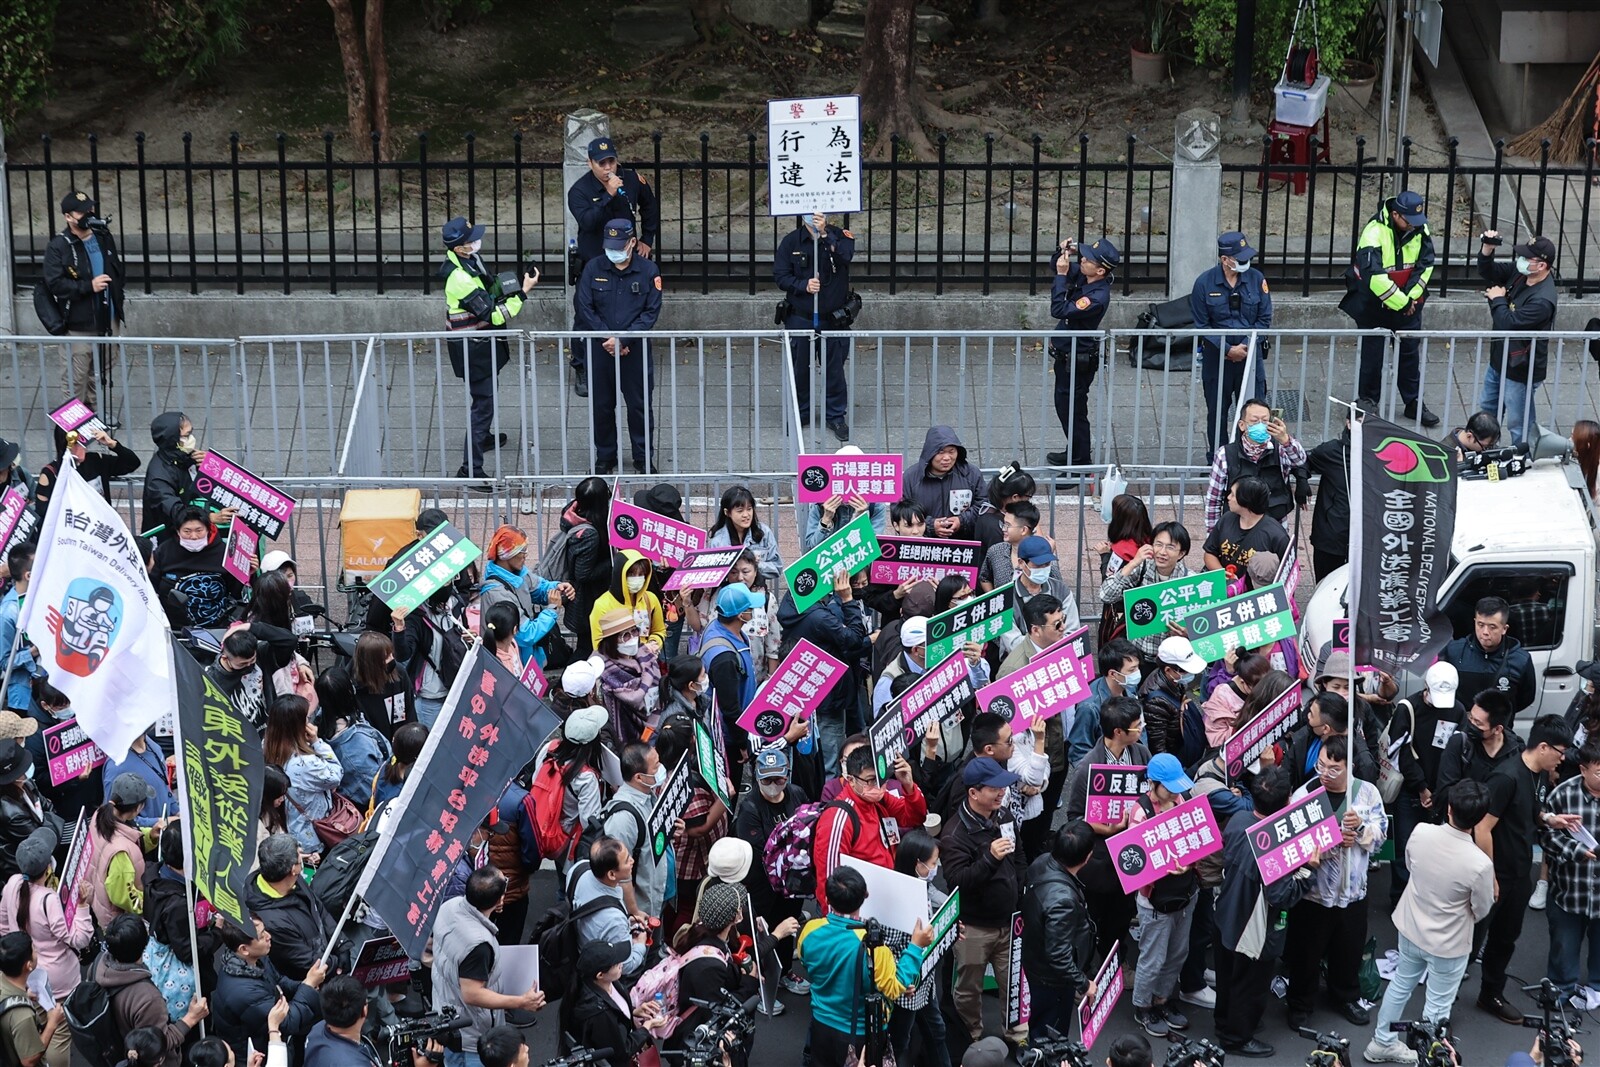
1257,433
618,256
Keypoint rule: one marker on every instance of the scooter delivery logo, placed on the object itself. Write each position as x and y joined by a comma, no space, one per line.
86,626
1413,461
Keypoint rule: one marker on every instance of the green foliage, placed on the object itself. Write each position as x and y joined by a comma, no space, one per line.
1211,26
193,37
26,34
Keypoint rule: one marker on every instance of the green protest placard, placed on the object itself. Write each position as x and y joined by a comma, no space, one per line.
810,578
983,618
944,931
425,568
1248,620
710,760
1150,607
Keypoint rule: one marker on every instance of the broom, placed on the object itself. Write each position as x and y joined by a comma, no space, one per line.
1576,120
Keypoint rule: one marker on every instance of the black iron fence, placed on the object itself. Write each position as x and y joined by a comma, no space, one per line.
251,224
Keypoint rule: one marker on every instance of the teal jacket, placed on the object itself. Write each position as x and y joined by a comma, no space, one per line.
831,950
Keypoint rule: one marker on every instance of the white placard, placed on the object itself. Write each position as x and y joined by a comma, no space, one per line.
894,899
814,155
1585,838
519,969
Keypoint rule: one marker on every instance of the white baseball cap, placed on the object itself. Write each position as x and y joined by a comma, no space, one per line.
914,631
275,559
1178,652
1442,681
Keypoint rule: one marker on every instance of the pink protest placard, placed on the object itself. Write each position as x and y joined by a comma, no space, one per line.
1052,682
660,540
1180,836
261,504
76,415
874,478
534,679
244,545
17,521
907,559
1282,843
1266,729
1092,1014
802,681
704,569
80,854
1113,789
69,752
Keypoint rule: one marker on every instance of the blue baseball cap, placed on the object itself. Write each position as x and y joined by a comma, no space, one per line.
1165,769
982,771
1412,208
1102,251
457,232
738,598
618,233
602,148
1234,245
1035,549
772,763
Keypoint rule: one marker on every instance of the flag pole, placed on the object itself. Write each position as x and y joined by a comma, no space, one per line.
1353,548
344,917
187,830
16,639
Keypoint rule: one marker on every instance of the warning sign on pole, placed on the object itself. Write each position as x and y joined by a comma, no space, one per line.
814,155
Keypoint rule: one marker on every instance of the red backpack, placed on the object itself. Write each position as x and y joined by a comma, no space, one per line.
545,794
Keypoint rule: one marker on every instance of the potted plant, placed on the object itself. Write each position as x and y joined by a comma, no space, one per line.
1354,78
1149,63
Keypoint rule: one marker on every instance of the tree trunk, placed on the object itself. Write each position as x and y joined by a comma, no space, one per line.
378,60
888,95
366,74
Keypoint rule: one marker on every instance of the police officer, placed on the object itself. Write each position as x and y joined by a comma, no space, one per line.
1232,295
609,191
812,265
477,300
1079,297
619,295
1386,285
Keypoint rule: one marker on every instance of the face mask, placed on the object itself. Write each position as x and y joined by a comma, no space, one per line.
192,544
635,583
1257,433
1523,265
630,647
1472,732
932,871
187,444
757,626
1039,575
618,256
1132,679
1185,679
661,776
773,791
472,249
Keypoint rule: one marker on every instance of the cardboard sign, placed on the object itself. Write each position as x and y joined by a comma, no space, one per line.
853,547
1093,1014
670,806
534,679
18,522
76,415
983,618
262,505
814,155
1150,850
1270,725
1018,1002
1052,682
427,567
894,899
873,477
1248,620
713,765
1113,789
381,962
800,684
663,541
1282,843
69,752
1288,574
935,696
80,858
244,545
704,569
945,931
928,559
1150,607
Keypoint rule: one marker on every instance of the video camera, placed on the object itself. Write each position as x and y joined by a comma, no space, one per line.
728,1023
398,1041
1331,1051
1190,1051
1430,1041
1555,1033
580,1056
1053,1051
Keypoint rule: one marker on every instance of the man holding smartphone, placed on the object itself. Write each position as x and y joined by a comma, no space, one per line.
1232,296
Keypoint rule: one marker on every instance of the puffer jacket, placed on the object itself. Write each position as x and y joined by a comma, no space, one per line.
300,927
169,479
957,493
1057,932
245,993
646,605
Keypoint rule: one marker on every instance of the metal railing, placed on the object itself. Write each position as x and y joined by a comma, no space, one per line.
248,223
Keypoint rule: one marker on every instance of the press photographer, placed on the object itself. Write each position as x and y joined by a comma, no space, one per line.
337,1042
83,287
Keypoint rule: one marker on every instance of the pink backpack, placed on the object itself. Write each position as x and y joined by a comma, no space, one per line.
663,979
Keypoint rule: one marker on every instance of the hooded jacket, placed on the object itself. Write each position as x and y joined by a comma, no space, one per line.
136,1002
211,591
1252,916
957,493
169,479
244,995
1057,931
645,604
1508,669
591,574
529,593
300,927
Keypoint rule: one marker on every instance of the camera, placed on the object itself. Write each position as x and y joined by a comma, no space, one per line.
1052,1051
1331,1051
398,1041
1555,1033
1430,1041
729,1022
579,1056
1190,1051
1492,242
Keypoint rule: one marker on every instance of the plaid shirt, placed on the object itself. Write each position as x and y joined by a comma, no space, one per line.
1574,878
1291,454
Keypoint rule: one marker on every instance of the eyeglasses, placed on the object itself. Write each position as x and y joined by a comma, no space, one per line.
868,782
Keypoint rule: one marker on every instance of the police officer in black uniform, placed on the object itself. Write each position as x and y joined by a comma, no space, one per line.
619,296
812,265
1079,297
609,191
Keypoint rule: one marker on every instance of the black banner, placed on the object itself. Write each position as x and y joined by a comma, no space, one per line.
1402,517
481,739
220,756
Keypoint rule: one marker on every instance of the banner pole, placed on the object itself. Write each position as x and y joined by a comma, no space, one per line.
186,829
338,928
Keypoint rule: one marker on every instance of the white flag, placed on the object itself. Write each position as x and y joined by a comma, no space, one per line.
95,618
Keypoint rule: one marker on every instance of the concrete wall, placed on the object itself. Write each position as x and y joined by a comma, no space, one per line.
1493,38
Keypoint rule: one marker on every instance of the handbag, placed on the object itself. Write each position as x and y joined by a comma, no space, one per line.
342,820
173,977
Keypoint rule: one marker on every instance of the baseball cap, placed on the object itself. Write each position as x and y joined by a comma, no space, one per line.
457,232
914,632
738,598
1035,549
578,679
129,789
986,1052
77,200
584,724
1234,245
35,852
1165,769
599,956
986,771
429,518
1178,652
1412,208
772,763
275,559
1442,680
1102,252
602,148
618,233
1538,248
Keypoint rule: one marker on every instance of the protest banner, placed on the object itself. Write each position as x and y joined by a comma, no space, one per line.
1288,574
1093,1013
670,805
704,569
483,737
1018,1002
945,931
935,696
534,680
854,546
1265,729
712,764
802,682
1150,607
887,739
1052,682
1248,620
874,477
427,566
1113,789
76,415
243,547
381,962
925,559
896,900
221,767
80,859
70,752
18,522
983,618
261,505
663,541
1180,836
1284,842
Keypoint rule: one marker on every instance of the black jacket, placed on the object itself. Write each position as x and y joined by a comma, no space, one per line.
1465,758
1330,519
989,887
17,821
243,996
592,208
300,928
70,279
1508,669
169,479
1420,756
589,553
754,819
166,912
593,1020
1057,932
96,466
792,270
1524,309
839,629
1366,762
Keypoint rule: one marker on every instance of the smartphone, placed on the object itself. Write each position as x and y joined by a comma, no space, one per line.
1277,414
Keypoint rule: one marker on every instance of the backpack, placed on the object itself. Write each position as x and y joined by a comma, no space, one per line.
546,792
173,977
8,1005
52,314
556,934
342,866
787,856
94,1027
595,828
556,563
663,979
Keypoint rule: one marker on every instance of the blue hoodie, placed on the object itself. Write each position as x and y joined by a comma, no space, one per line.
533,629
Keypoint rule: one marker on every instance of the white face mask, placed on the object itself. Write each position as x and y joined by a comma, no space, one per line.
618,256
1523,265
630,647
1039,575
773,790
757,626
472,249
192,544
661,776
635,583
187,443
932,871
